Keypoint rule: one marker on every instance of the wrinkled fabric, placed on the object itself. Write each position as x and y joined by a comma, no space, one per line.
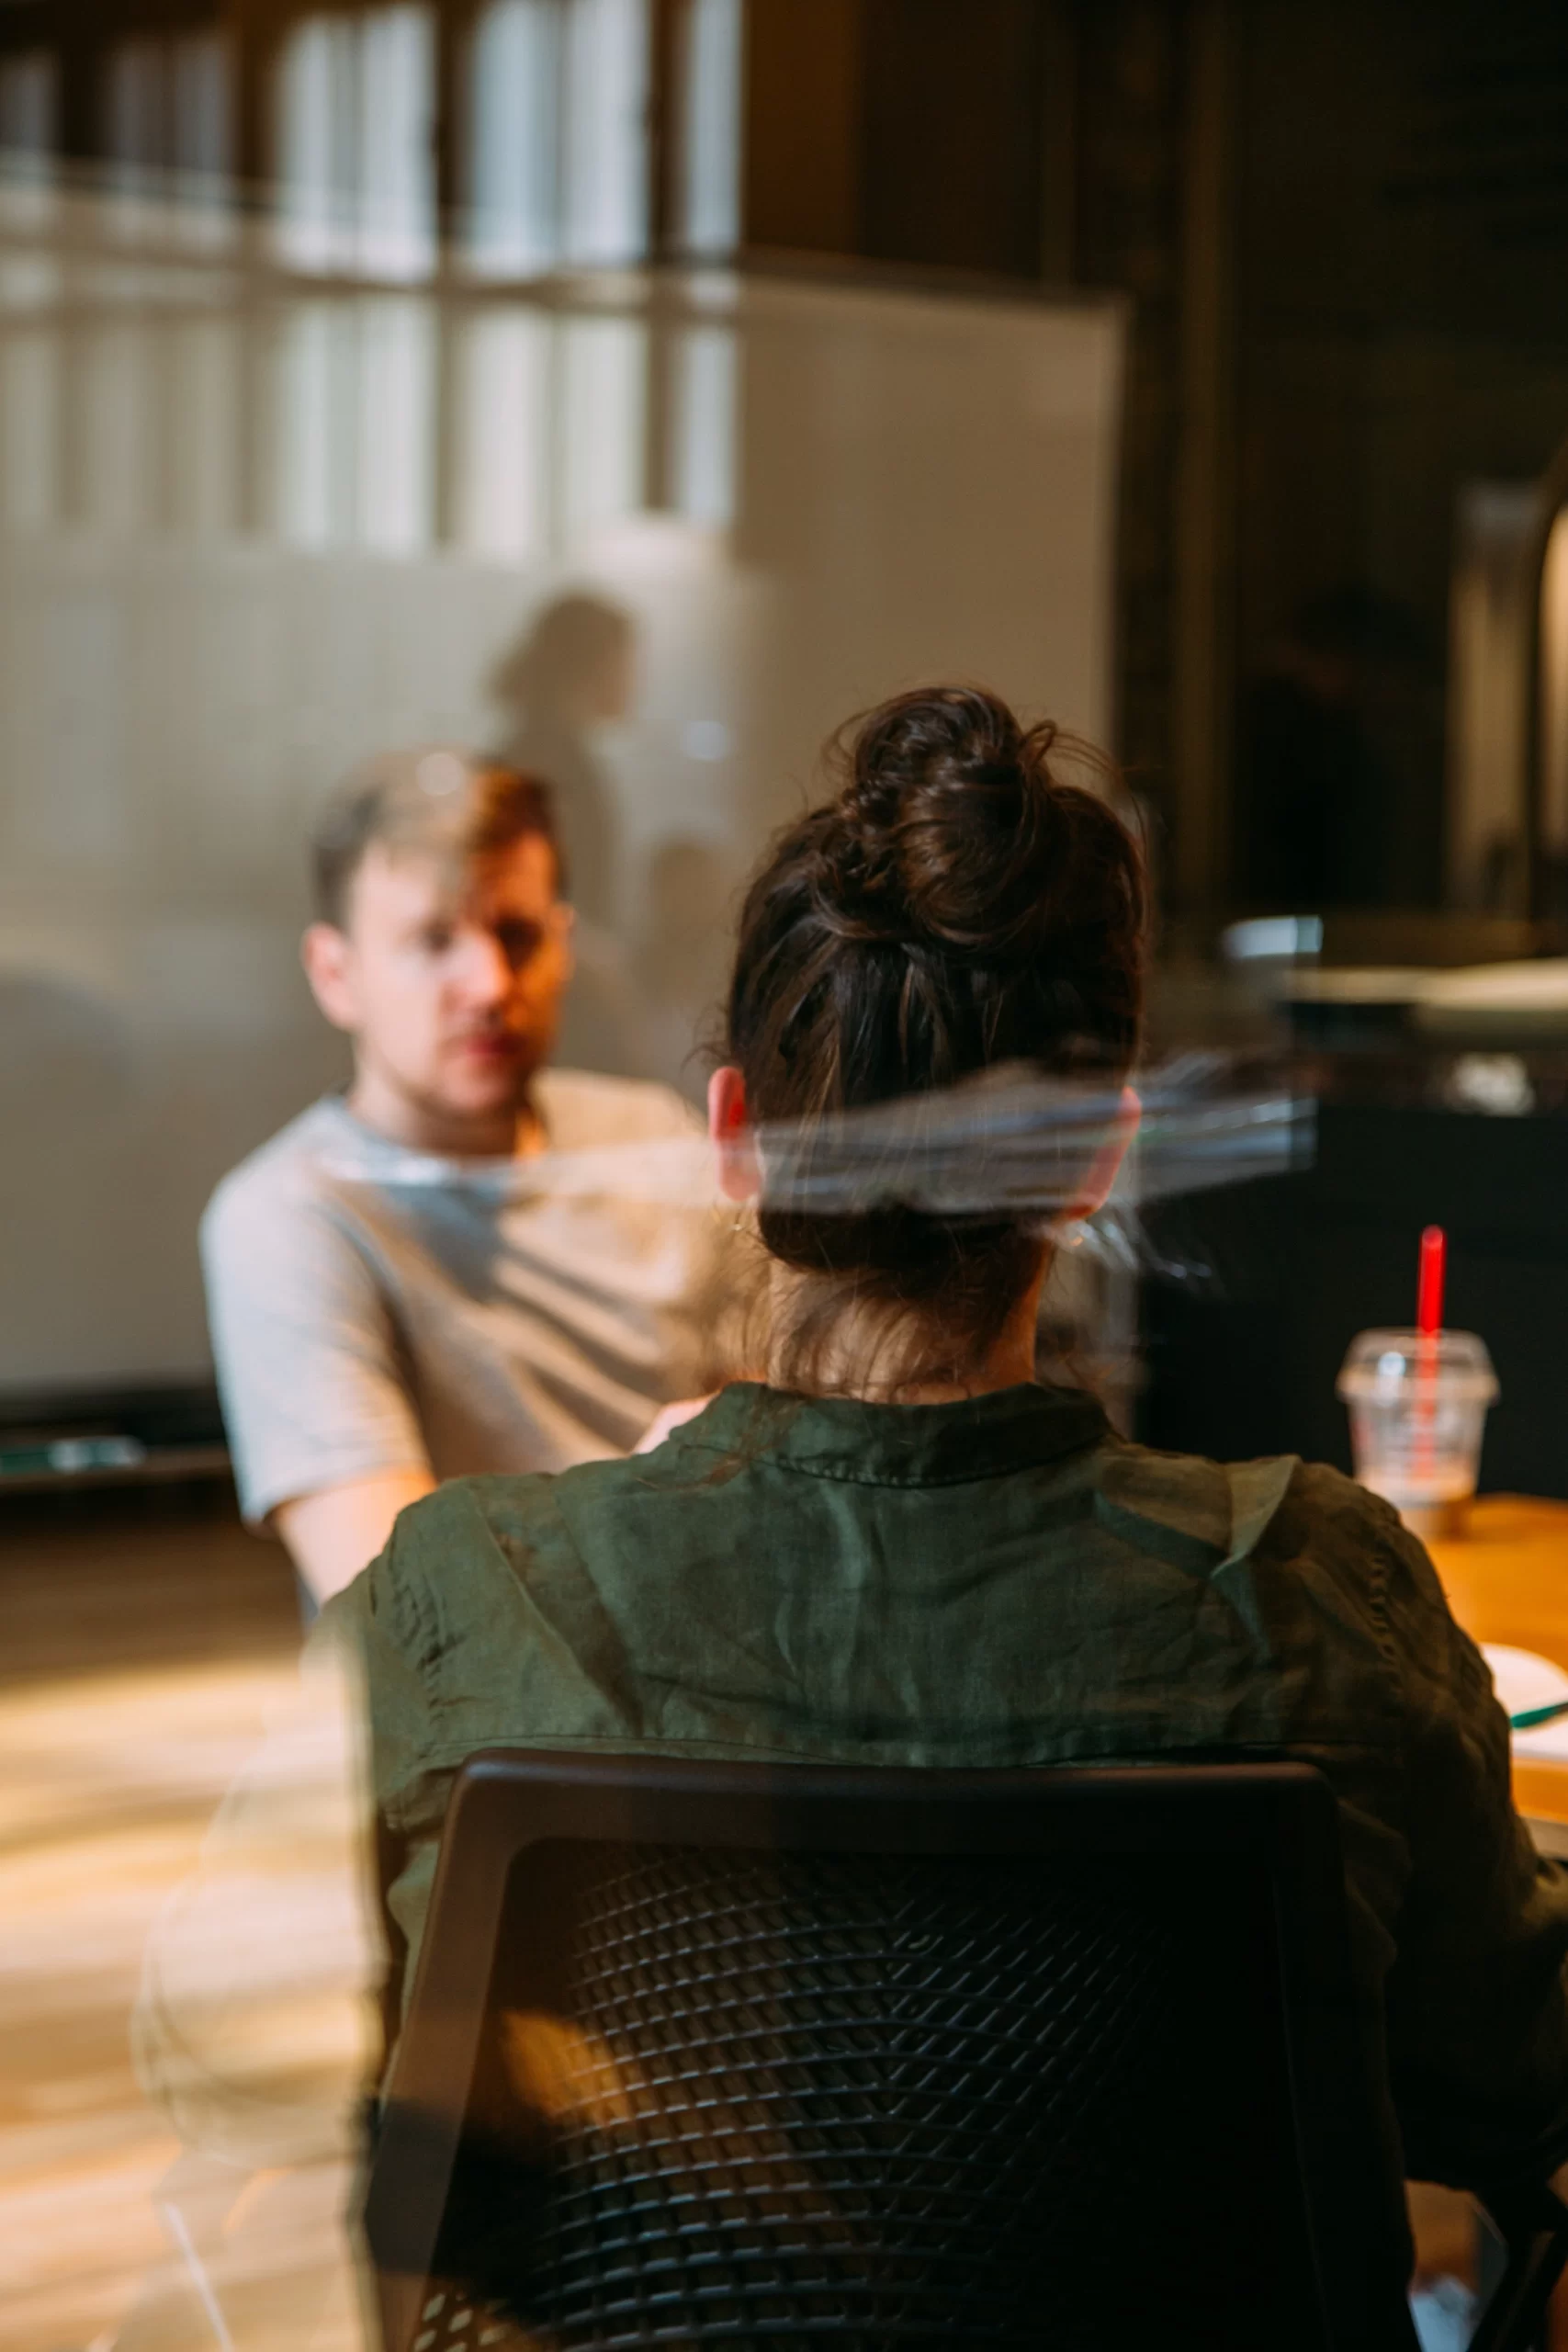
1002,1581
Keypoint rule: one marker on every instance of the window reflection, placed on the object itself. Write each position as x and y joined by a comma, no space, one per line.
201,109
504,401
709,188
397,79
557,144
166,128
355,169
119,451
605,162
515,68
702,422
356,440
137,133
202,460
315,419
396,400
603,422
325,424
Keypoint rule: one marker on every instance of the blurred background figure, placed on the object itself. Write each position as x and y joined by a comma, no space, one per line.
573,673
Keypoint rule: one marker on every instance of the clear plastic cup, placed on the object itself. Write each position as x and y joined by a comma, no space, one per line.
1417,1413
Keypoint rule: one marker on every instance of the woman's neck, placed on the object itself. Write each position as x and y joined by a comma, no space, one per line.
862,1352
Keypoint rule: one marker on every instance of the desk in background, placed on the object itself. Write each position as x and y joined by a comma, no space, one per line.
1507,1579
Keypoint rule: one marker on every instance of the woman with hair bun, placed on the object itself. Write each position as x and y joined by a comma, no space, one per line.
898,1547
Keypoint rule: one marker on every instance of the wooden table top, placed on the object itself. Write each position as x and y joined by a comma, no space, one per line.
1506,1579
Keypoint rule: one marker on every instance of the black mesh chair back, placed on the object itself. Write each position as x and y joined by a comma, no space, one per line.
708,2054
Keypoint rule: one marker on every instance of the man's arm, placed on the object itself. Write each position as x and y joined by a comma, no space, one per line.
331,1536
323,1431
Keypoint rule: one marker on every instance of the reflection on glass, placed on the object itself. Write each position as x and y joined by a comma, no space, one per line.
703,425
137,134
316,143
604,114
314,454
30,102
204,409
166,133
29,428
119,463
246,540
356,186
603,412
397,417
558,135
504,382
708,194
573,672
398,206
201,104
514,194
356,425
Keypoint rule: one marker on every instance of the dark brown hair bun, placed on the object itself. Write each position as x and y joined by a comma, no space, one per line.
953,811
956,904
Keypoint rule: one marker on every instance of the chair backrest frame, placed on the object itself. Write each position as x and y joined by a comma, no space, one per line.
1280,1816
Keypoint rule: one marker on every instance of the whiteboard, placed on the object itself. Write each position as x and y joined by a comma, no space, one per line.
252,529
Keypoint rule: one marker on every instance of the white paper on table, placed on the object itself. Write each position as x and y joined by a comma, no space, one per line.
1525,1680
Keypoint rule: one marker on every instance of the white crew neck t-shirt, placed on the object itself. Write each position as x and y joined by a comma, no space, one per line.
375,1308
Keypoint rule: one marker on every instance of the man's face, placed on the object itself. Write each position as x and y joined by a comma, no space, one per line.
449,983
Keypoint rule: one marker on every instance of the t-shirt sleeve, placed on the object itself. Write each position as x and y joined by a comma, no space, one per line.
314,1394
1477,2003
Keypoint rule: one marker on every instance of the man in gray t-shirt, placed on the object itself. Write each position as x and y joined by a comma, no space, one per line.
466,1262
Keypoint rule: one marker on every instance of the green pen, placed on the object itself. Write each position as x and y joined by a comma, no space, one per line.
1534,1716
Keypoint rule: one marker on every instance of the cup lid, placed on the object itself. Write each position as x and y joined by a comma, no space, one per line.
1383,1363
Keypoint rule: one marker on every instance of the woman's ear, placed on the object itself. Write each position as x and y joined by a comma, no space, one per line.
740,1177
1105,1167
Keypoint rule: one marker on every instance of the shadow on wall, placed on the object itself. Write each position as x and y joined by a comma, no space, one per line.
572,670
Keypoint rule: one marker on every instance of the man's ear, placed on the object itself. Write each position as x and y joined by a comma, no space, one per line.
329,966
1105,1168
735,1148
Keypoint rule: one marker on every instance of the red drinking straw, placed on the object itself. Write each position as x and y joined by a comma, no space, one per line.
1428,1327
1429,1292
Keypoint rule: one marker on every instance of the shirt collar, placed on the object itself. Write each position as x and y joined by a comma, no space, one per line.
895,1445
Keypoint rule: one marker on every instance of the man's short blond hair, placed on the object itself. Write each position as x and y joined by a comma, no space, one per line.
441,802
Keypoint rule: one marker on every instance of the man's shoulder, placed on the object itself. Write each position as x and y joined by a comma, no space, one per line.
286,1174
583,1109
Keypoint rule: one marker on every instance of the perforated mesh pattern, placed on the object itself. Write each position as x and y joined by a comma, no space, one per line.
882,2098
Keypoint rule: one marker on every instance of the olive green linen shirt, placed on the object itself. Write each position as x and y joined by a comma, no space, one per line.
1001,1581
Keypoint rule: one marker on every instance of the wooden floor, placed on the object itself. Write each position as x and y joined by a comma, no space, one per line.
146,1636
